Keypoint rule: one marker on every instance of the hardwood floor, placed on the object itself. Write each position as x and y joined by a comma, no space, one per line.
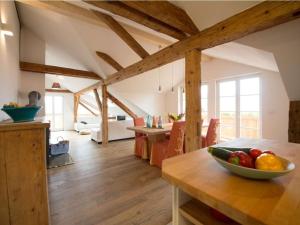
107,185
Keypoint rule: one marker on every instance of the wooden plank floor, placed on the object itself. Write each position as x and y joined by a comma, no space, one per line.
107,185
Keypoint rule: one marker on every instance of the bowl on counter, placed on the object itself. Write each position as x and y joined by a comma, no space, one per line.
22,114
256,173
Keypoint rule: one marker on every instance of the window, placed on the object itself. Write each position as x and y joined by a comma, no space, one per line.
54,111
239,108
204,102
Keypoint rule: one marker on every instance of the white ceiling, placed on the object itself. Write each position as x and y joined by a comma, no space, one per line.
72,43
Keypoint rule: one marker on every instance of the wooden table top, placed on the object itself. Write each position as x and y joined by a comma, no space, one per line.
273,202
152,131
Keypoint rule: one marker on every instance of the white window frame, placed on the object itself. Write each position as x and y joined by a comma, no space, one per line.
237,79
180,97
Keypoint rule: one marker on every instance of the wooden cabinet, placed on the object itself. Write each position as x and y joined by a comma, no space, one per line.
23,174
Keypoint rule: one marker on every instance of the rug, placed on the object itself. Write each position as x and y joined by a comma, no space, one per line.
60,160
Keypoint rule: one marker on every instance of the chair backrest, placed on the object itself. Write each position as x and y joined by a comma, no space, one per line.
175,146
211,135
138,122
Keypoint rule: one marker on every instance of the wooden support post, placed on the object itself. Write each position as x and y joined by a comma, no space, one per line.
104,116
76,103
98,100
294,122
193,103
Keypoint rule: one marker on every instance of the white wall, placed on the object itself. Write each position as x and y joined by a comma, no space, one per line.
9,56
32,50
274,99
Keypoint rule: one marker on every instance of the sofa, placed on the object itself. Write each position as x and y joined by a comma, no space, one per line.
117,130
87,123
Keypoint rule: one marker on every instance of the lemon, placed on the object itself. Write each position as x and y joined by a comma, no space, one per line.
269,162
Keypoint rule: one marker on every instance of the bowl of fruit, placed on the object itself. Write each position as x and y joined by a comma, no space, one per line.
20,113
252,162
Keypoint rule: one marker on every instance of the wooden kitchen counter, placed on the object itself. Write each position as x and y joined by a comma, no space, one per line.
197,175
23,174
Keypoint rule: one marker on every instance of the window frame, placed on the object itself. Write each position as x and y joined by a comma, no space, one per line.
238,79
181,107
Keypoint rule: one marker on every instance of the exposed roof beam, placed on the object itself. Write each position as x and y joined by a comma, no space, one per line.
87,108
97,97
109,60
63,71
260,17
58,90
89,88
166,12
121,105
122,33
87,103
74,11
118,8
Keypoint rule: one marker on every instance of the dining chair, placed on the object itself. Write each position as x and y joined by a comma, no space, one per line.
211,135
140,146
169,147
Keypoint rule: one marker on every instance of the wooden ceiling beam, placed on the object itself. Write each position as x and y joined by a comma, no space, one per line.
89,88
260,17
120,9
97,97
87,108
109,60
121,105
56,70
167,13
123,34
85,15
58,90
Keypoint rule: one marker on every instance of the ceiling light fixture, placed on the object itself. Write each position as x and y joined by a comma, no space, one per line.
5,30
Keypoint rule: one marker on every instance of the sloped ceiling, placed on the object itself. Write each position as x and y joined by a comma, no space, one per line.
284,42
72,43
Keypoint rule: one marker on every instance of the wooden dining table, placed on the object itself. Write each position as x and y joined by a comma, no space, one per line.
153,134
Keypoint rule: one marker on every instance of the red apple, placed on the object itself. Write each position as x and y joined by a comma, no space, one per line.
254,153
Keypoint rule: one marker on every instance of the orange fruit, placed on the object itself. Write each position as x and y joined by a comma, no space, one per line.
269,162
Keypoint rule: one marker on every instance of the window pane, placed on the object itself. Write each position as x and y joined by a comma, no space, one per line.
249,86
249,133
204,117
249,119
204,91
227,104
58,105
227,88
227,118
204,105
249,103
227,132
48,104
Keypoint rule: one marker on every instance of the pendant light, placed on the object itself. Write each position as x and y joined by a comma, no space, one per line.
172,89
159,84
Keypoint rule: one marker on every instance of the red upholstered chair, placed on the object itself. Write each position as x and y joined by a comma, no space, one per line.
169,147
140,147
211,135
